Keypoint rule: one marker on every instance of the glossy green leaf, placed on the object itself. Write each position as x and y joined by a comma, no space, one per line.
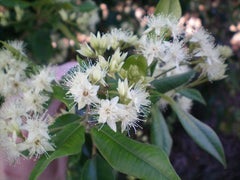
59,93
166,84
169,7
63,120
143,161
137,60
193,94
68,141
202,134
97,169
160,135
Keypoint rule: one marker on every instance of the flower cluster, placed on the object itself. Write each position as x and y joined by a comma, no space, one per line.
92,86
113,83
24,125
174,52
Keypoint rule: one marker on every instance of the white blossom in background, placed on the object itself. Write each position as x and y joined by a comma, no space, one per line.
33,101
202,36
160,23
37,141
175,51
11,148
24,101
213,66
214,71
12,109
42,80
185,103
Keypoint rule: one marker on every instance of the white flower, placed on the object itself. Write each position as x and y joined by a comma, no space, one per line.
117,61
163,51
81,90
6,58
152,49
123,89
37,146
118,37
18,45
33,101
37,141
86,50
129,117
211,53
102,62
175,51
42,81
214,71
109,112
11,84
12,108
97,74
10,147
207,47
17,67
202,37
185,103
98,43
225,51
159,23
138,96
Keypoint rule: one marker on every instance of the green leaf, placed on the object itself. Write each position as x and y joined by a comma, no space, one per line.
97,169
137,60
152,67
69,141
169,7
202,134
59,93
63,120
143,161
40,45
86,7
160,135
13,3
168,83
81,62
193,94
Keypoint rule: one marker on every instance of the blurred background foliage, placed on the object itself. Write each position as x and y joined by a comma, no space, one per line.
52,30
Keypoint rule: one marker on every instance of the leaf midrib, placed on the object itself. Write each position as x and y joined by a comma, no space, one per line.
146,161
